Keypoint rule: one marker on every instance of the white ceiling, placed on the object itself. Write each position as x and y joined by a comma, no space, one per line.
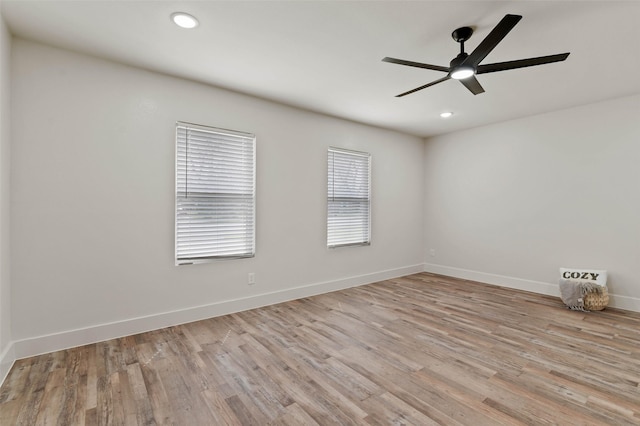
326,56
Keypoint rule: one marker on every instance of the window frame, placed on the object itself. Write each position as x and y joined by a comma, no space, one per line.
243,137
331,196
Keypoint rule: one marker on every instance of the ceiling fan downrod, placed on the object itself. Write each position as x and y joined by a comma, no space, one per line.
461,35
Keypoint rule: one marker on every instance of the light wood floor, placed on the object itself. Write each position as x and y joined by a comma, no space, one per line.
420,350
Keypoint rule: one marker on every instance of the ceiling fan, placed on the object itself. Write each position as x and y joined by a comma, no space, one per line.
464,67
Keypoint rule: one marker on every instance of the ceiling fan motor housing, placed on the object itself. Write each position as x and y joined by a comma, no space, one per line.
455,62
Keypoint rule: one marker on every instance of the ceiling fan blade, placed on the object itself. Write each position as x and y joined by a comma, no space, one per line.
423,87
491,41
415,64
472,84
521,63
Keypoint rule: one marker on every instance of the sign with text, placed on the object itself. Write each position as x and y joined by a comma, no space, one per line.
597,276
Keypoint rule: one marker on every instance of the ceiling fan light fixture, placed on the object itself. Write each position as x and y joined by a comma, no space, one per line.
462,73
184,20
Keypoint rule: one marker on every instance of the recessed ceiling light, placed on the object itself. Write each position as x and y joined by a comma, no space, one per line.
184,20
446,114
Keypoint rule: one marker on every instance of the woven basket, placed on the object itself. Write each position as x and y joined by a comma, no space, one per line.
595,301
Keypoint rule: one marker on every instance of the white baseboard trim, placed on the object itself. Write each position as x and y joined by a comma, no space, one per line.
499,280
7,358
83,336
615,301
624,302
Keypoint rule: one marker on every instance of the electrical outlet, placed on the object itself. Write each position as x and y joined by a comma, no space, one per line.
251,279
432,252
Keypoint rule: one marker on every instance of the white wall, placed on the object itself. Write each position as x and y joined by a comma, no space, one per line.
93,201
92,204
6,354
510,203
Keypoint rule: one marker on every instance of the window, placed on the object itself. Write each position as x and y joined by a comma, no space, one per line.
349,201
215,193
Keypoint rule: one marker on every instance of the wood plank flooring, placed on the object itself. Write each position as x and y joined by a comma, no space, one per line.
418,350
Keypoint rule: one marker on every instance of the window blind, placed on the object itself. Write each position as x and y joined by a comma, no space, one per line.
215,193
349,201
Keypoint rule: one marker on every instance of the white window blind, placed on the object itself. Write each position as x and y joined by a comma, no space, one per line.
349,201
215,193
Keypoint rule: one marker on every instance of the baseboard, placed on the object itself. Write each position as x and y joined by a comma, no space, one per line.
499,280
624,302
72,338
615,301
7,358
